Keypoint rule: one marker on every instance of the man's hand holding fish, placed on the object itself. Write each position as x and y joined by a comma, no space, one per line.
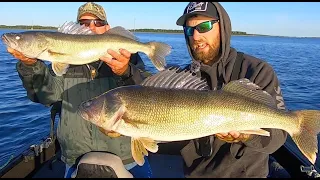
233,136
119,63
21,57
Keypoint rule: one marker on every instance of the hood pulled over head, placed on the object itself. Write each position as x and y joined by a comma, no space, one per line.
210,9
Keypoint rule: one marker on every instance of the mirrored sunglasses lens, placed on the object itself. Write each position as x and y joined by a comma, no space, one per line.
204,27
99,23
189,31
85,22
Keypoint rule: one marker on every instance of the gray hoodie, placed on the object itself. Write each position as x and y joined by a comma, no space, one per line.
249,159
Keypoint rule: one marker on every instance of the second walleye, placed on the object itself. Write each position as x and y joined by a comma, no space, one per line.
176,106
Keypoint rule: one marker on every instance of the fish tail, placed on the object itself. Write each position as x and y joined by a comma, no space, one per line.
158,53
306,137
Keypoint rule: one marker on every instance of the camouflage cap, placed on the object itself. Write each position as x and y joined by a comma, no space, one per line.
92,8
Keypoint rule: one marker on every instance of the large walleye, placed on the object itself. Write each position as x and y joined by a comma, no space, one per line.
75,44
175,106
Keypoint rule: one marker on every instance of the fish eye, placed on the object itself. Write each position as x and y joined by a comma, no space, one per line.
17,37
88,103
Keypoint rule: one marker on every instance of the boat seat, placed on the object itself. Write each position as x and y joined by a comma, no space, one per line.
100,165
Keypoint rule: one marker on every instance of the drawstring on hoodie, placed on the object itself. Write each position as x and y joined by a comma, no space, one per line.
221,69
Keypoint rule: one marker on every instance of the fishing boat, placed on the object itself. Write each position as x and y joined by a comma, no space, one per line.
43,161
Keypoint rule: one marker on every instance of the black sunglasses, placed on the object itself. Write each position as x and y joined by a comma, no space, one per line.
97,22
201,28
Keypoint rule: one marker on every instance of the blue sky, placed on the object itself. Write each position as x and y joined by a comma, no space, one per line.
271,18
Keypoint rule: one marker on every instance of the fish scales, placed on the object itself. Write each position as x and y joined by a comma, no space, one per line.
82,47
78,45
176,106
184,113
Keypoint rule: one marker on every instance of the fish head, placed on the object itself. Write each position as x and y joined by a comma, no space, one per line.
99,110
92,110
31,44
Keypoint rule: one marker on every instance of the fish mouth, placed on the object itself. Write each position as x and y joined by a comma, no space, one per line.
91,111
6,40
87,115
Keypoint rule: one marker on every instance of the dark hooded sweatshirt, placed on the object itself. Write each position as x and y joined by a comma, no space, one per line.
249,159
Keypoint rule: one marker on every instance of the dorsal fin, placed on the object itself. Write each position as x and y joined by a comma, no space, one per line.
248,89
174,78
74,28
118,30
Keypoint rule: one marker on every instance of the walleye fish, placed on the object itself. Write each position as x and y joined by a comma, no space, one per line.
174,106
76,44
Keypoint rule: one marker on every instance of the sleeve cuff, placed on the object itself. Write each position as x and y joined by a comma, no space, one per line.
127,74
27,70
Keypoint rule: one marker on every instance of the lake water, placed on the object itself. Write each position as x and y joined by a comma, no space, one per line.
295,60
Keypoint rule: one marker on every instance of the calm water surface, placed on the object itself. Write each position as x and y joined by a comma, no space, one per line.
295,60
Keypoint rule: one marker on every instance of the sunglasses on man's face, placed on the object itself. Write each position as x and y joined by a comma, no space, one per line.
201,28
97,22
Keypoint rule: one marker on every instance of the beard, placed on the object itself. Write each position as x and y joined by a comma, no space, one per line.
207,57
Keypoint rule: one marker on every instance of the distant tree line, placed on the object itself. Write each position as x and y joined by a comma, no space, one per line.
157,30
239,33
132,30
177,31
27,27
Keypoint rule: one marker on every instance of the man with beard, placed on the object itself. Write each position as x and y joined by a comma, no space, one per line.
77,137
207,30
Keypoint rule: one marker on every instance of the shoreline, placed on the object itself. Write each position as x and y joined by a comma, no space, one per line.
155,32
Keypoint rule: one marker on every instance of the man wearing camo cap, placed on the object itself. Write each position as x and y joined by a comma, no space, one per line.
94,9
94,16
77,136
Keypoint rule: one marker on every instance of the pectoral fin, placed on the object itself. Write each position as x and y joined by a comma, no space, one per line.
53,53
139,148
260,132
59,68
109,133
113,134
